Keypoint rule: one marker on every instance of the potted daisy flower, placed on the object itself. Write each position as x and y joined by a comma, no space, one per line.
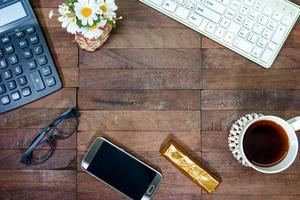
91,21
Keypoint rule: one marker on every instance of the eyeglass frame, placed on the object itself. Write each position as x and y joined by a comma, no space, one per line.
38,140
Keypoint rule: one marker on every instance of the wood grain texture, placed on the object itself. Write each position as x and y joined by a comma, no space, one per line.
139,99
36,195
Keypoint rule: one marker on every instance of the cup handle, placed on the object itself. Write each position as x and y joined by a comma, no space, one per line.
295,123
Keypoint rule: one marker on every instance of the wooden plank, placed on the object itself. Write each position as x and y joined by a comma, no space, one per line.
59,38
64,98
51,180
21,139
139,99
222,120
139,141
69,76
140,79
61,159
250,99
256,78
36,195
65,57
259,184
140,120
249,197
141,58
225,58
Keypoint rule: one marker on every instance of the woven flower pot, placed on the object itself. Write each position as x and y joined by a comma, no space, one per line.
92,45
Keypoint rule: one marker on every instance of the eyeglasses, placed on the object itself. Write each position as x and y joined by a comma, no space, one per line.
42,147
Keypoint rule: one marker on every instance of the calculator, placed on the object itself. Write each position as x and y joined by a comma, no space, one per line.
27,70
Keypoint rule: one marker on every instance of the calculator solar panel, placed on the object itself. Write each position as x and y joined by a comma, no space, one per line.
27,70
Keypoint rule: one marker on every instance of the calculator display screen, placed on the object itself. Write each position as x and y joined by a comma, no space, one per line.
12,13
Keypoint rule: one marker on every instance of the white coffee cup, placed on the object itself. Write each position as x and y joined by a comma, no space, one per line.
290,127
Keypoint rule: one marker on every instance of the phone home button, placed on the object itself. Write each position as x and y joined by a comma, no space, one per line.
150,189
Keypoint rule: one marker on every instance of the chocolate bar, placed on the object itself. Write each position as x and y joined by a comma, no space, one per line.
189,166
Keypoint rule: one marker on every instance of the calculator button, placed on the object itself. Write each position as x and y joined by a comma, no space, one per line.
34,39
38,50
23,44
30,30
20,34
46,71
5,40
27,54
9,49
18,70
26,91
37,81
13,59
15,96
31,65
22,80
11,85
1,53
50,81
3,64
7,74
5,100
2,89
42,60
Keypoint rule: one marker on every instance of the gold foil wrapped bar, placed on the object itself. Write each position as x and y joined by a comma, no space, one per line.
189,166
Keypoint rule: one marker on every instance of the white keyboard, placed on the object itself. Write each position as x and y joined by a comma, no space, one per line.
256,29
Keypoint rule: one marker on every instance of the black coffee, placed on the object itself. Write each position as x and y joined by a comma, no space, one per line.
265,143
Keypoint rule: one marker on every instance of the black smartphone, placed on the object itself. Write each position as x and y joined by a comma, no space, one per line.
120,170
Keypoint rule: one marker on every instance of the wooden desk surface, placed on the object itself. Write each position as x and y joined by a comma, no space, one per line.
154,77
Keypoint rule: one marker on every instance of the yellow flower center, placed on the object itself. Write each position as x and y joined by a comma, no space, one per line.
104,7
93,27
86,11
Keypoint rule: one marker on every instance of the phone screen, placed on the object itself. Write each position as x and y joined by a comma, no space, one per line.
121,171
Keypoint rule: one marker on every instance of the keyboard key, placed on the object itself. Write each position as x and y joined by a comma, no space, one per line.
253,15
253,37
215,6
244,10
243,44
22,81
7,74
272,25
169,5
258,6
46,71
18,70
209,14
38,50
42,60
225,22
263,20
229,37
191,5
210,28
26,91
230,14
239,18
13,59
27,54
31,65
182,12
34,39
37,81
286,20
5,100
272,46
244,32
256,52
220,32
235,4
195,19
258,28
23,44
2,89
268,11
9,49
50,81
19,34
11,85
15,96
5,40
267,33
225,2
279,34
267,55
277,16
262,42
249,2
3,64
249,24
157,2
30,30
